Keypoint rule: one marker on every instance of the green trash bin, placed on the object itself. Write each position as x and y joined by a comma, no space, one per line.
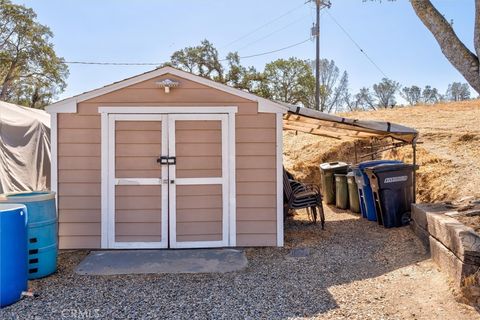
353,193
328,180
341,191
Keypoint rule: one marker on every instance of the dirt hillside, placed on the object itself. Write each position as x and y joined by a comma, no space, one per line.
449,153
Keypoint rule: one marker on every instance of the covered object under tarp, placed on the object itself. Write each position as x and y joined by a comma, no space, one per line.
327,125
24,148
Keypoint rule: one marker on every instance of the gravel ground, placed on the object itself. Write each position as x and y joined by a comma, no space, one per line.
355,270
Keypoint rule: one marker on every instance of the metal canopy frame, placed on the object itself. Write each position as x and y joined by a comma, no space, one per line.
340,128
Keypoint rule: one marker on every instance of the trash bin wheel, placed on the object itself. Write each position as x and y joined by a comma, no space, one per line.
406,218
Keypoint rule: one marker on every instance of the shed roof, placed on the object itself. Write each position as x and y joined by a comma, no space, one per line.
69,105
331,126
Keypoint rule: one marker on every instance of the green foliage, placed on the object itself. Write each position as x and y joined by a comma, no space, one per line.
385,92
244,78
289,81
333,87
458,92
431,95
412,94
202,60
31,73
363,100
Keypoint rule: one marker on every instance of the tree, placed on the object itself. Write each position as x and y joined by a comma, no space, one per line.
289,81
333,87
458,92
363,100
30,71
464,60
412,94
457,53
385,92
201,60
430,95
240,77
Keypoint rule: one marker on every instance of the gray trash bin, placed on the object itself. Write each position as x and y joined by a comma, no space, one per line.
328,170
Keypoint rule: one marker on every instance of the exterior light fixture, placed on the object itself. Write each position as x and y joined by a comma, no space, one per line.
167,84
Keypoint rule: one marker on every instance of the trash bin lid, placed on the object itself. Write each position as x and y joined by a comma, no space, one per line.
366,164
390,167
332,166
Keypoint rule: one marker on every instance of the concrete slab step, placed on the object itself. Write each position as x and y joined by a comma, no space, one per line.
162,261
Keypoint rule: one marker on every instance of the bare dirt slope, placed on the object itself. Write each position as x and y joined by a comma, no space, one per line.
449,156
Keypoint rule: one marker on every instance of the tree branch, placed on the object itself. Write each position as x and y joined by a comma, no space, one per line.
476,39
456,52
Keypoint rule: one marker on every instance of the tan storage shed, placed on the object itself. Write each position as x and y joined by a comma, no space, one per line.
167,159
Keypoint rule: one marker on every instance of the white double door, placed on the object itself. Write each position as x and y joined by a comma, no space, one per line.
168,181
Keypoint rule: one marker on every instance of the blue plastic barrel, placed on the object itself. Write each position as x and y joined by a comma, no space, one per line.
13,253
365,194
42,231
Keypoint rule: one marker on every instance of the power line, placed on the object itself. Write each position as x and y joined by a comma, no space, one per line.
159,63
273,32
263,26
356,44
277,50
116,63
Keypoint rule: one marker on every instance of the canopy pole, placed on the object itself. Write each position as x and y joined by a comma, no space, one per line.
355,150
414,148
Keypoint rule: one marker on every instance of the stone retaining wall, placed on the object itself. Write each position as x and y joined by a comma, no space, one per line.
454,247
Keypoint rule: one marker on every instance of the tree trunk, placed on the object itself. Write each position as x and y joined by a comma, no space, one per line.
465,61
6,82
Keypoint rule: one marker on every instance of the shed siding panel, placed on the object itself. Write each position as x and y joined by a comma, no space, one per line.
79,173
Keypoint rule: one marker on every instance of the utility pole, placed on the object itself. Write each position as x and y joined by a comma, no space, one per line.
316,33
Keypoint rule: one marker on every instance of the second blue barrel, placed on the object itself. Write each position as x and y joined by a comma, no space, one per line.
42,231
13,252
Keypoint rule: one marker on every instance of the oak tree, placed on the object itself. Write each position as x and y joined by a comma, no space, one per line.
31,73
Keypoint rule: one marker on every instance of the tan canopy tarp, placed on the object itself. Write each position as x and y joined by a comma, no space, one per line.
327,125
24,148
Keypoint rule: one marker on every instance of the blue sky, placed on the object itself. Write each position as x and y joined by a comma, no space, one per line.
151,30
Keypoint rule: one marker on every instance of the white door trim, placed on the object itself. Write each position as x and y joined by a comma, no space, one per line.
228,180
224,181
279,168
167,109
108,170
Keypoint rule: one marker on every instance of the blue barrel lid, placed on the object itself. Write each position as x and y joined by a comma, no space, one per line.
29,196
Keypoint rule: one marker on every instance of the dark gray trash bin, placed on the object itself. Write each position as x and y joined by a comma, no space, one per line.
392,186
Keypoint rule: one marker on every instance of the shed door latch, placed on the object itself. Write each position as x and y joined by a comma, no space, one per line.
162,160
167,160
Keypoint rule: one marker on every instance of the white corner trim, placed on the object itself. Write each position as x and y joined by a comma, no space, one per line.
54,155
65,106
279,167
105,184
232,181
167,109
267,106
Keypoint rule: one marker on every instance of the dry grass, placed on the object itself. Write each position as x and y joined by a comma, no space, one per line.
448,157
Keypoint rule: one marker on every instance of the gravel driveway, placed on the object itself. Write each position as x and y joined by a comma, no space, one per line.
355,270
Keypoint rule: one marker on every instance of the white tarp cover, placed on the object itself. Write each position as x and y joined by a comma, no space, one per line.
24,149
328,125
